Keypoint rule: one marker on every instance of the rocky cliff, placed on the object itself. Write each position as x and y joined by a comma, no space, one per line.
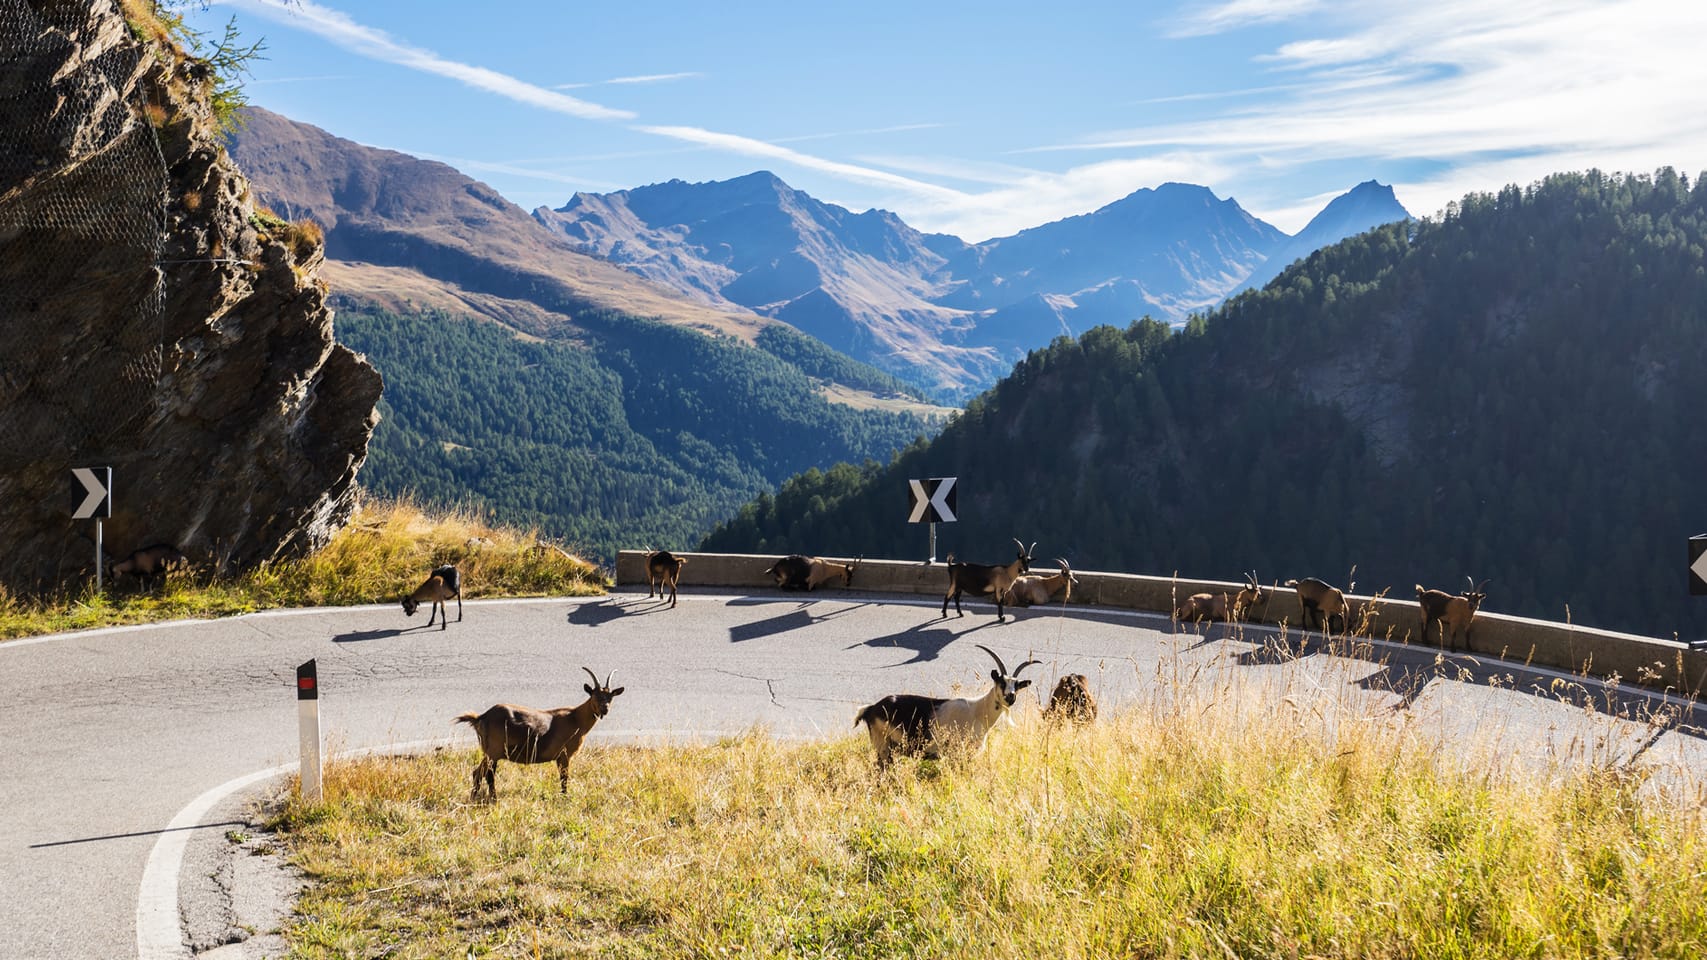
155,321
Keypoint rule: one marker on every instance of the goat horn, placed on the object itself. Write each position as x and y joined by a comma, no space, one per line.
1031,548
1024,665
593,675
607,679
992,653
1021,546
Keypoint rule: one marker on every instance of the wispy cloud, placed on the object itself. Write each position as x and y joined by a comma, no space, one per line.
1221,17
643,78
1513,91
376,44
747,146
872,131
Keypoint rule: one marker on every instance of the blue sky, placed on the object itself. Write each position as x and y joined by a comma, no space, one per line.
981,119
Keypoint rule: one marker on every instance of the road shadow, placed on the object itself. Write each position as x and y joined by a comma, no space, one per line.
796,619
358,636
604,611
925,642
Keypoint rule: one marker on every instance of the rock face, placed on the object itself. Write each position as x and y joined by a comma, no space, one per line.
154,322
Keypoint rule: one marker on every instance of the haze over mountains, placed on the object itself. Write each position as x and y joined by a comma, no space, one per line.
933,308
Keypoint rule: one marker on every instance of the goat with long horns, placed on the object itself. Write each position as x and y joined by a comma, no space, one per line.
912,723
526,735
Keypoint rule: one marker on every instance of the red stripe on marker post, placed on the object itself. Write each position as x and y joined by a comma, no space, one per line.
307,682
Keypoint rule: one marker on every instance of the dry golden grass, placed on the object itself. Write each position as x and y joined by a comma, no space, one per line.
385,551
1197,824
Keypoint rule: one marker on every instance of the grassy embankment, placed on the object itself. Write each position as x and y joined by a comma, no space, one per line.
384,552
1222,822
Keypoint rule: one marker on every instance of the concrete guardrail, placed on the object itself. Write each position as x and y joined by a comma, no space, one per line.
1645,661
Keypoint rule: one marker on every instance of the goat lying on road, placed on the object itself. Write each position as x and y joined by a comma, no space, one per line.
1035,589
798,572
444,584
1222,605
929,725
526,735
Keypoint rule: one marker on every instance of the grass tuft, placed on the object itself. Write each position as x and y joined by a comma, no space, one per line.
384,552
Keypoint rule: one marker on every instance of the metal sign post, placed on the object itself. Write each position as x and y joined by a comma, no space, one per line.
1698,565
308,729
934,501
93,494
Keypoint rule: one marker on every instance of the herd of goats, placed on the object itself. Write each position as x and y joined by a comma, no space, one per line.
905,723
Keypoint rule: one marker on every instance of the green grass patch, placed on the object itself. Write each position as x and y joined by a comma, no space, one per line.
385,551
1219,832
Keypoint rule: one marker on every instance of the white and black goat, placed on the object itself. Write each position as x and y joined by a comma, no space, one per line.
912,723
1035,589
799,572
445,583
526,735
978,579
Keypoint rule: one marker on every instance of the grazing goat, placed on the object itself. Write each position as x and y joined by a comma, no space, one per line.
978,579
444,584
1326,602
1454,614
1222,605
663,569
1035,589
526,735
929,725
1072,700
797,572
149,562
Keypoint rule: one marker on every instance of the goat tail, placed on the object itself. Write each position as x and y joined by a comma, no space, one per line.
864,716
1420,591
471,718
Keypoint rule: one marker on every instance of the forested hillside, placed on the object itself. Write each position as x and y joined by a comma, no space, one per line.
642,433
1511,391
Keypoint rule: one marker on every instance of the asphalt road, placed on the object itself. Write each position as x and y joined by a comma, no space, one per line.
111,735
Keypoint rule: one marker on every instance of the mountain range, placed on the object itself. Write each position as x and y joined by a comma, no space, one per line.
1507,392
933,308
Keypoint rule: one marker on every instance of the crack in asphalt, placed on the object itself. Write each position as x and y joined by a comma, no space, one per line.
770,684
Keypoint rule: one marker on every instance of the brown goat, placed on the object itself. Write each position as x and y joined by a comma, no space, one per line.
1454,614
663,569
526,735
980,578
1072,700
1325,601
149,562
1035,589
798,572
1222,605
444,584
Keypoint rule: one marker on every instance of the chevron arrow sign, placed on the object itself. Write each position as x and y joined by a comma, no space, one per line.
92,491
933,500
1698,565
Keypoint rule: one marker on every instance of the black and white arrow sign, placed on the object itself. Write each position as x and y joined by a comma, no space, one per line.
933,500
1698,565
92,491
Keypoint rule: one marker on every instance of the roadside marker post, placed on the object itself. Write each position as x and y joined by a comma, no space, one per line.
933,501
92,491
308,728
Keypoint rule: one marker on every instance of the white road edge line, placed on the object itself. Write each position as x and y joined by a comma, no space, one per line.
160,926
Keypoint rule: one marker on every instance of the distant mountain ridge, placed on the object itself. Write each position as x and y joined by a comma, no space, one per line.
933,307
